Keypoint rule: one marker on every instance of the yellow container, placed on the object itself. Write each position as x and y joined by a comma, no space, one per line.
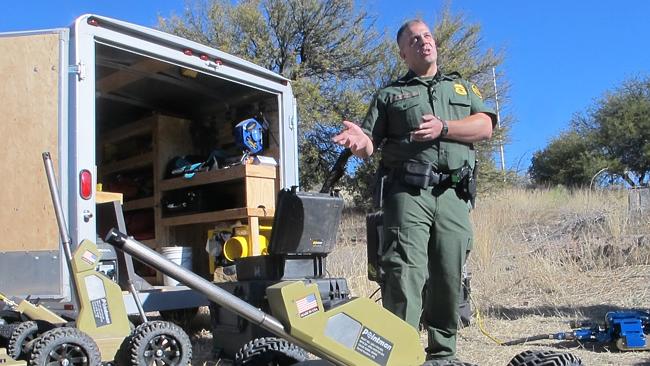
239,247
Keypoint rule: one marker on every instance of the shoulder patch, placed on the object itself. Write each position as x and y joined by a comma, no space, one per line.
476,91
460,89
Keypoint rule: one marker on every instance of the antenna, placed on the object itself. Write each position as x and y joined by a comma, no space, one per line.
496,99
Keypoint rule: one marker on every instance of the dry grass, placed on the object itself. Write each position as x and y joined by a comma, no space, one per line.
541,259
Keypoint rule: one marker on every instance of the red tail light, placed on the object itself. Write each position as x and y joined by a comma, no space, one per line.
85,184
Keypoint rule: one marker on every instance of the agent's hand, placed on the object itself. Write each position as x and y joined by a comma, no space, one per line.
353,138
428,130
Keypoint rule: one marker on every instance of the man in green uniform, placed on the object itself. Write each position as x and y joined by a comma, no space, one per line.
425,124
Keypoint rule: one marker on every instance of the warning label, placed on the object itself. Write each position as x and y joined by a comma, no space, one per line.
374,346
100,312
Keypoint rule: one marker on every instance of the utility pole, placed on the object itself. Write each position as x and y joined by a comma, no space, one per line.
496,100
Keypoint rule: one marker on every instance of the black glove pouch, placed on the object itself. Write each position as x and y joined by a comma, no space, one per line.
416,174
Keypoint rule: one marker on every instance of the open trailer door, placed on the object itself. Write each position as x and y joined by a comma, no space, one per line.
33,70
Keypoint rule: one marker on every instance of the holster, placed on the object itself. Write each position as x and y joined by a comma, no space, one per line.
465,180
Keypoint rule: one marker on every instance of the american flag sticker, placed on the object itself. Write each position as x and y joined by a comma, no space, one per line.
89,257
307,305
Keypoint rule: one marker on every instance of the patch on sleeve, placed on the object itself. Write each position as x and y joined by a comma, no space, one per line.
460,89
476,91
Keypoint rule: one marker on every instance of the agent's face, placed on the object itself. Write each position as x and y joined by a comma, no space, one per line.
417,47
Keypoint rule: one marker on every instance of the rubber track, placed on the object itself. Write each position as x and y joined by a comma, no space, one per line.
247,355
545,358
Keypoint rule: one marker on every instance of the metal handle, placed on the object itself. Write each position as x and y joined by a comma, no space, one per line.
60,219
220,296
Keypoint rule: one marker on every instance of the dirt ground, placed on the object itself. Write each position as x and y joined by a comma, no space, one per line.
522,318
541,260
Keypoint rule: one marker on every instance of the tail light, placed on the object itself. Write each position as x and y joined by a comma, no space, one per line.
85,184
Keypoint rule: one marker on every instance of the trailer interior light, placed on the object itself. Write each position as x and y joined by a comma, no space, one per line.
85,184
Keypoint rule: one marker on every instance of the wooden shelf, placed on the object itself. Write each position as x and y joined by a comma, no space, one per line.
139,128
215,216
219,175
137,161
242,192
137,204
101,197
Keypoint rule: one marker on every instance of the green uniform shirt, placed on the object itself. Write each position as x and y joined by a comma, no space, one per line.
398,109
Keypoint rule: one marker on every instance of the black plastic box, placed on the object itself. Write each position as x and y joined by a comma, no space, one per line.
185,201
230,332
305,222
280,267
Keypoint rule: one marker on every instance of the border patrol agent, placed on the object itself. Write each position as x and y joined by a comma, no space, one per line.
426,122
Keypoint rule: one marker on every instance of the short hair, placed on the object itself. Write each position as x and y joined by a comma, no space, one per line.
407,24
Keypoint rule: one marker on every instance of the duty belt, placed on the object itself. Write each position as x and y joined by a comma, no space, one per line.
421,175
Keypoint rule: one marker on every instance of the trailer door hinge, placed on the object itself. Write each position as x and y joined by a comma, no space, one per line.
79,69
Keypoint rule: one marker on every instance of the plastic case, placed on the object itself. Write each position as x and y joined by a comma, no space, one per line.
280,267
305,222
185,201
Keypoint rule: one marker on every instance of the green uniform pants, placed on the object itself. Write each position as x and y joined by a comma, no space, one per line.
427,235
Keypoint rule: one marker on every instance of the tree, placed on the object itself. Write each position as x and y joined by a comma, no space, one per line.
325,47
569,160
611,135
336,59
622,125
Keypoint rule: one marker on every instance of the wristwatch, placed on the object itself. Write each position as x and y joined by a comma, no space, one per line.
445,128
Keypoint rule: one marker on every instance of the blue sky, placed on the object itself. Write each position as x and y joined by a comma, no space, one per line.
561,56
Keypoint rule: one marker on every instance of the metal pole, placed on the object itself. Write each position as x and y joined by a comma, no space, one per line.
496,100
138,303
58,209
63,227
212,292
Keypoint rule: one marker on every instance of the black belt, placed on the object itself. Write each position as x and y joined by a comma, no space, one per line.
420,175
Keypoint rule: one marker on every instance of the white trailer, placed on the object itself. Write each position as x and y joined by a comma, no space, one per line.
114,102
